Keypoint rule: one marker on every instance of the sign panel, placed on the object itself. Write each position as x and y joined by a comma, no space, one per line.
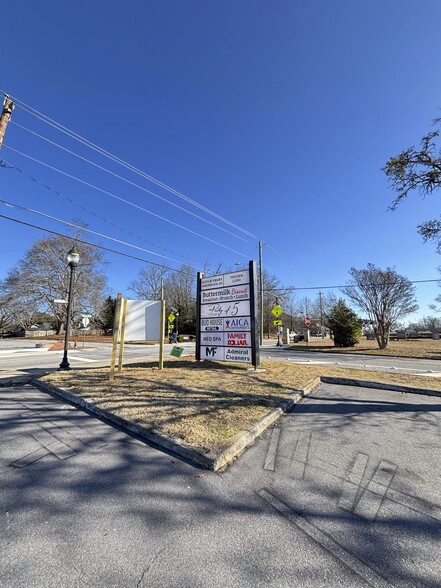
241,323
212,352
212,338
226,294
277,323
171,317
226,309
231,279
143,320
177,351
227,326
276,310
238,355
237,339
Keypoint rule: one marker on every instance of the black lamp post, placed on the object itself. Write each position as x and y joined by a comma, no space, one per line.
72,259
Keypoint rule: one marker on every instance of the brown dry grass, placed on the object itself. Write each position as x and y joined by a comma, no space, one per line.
204,404
424,348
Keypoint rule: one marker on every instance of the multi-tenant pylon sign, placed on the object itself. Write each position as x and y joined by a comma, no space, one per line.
226,322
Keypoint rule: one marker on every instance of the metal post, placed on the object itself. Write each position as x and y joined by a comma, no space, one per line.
162,329
279,343
261,295
64,365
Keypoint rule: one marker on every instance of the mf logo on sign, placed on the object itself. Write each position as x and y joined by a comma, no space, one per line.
210,351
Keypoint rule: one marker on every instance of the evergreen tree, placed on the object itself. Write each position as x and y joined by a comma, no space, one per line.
344,324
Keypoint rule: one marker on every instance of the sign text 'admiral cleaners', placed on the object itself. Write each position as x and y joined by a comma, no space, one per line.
226,317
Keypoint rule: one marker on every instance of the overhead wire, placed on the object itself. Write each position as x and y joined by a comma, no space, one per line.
58,126
77,239
88,210
49,216
89,161
288,288
111,194
404,281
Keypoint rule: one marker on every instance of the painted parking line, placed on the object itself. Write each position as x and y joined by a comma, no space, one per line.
325,541
270,461
370,502
353,482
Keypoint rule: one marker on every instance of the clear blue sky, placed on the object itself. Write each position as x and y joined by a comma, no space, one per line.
278,116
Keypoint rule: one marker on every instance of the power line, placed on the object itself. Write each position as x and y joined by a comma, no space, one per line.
39,213
94,245
112,195
397,282
68,199
58,126
128,181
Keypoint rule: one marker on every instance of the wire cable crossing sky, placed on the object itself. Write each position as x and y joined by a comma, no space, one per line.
148,127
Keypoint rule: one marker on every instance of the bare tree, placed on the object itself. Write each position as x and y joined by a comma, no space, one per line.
42,277
179,290
147,286
272,292
383,295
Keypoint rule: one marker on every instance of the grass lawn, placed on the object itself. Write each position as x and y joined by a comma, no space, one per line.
424,348
205,404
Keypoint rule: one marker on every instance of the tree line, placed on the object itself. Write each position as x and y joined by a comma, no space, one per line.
31,293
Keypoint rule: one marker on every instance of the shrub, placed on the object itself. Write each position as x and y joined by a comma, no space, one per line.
345,325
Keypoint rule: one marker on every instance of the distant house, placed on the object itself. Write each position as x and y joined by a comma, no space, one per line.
35,331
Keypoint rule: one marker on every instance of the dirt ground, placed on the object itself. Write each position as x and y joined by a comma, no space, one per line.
204,404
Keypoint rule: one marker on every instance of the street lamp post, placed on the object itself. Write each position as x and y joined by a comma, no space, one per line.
72,259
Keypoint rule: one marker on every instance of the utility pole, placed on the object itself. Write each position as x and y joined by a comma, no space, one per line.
8,107
261,295
321,315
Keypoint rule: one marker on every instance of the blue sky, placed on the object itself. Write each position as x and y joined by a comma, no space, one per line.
278,116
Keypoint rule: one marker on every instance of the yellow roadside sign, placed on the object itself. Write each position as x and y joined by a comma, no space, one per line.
171,317
276,310
278,323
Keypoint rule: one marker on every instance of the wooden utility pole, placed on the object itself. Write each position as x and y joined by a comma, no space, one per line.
8,107
321,316
261,295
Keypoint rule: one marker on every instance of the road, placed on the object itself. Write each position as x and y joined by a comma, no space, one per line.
19,354
344,491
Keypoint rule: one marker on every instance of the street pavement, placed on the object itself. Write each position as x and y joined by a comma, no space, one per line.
344,491
22,356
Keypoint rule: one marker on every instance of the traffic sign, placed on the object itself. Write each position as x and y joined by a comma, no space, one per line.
308,321
276,310
171,317
277,323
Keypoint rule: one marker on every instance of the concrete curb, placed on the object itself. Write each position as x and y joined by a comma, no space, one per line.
15,380
209,461
379,385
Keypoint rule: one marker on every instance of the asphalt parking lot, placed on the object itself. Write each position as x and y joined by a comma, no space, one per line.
343,491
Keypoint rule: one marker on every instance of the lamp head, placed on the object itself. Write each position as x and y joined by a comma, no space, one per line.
73,257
